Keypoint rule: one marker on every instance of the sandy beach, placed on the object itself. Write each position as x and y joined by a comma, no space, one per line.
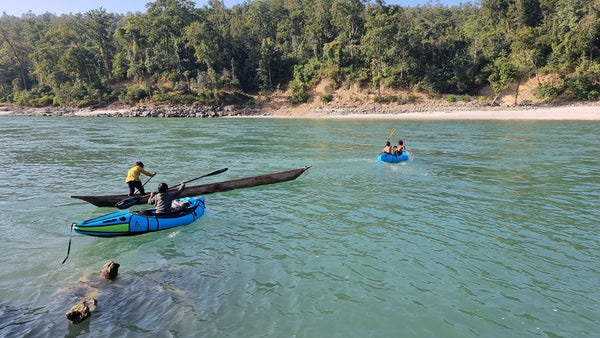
572,112
575,113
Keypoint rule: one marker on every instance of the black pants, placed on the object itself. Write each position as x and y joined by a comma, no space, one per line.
135,185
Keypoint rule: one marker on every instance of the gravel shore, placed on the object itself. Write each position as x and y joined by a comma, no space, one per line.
589,111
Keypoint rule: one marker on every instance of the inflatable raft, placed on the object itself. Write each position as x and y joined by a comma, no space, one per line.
127,223
385,157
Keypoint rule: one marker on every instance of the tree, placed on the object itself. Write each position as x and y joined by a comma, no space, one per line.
502,75
348,22
204,40
260,45
161,28
133,46
318,29
380,32
530,12
14,49
99,30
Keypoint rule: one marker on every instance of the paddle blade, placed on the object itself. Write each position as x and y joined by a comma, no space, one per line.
391,133
217,172
209,174
126,203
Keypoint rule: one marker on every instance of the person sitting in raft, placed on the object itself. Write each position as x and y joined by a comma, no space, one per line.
163,198
388,148
399,148
133,178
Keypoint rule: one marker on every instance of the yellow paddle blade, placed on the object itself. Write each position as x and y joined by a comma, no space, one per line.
392,133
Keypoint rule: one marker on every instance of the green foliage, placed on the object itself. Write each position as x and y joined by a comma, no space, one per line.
37,97
411,97
22,98
206,96
237,97
377,82
187,98
308,73
450,98
325,98
162,98
181,88
134,94
419,87
547,92
44,101
465,98
298,92
202,97
433,95
332,72
580,88
385,99
76,94
585,83
391,98
203,54
359,76
502,75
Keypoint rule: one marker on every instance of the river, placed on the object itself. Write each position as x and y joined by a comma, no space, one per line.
490,230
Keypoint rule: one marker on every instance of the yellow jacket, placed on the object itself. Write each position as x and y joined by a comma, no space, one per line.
134,173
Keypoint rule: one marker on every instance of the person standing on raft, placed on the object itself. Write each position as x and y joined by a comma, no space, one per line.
133,178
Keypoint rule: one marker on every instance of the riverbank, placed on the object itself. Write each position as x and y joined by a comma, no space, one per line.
589,111
439,111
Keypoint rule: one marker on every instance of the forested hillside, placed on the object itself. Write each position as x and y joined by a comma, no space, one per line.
176,53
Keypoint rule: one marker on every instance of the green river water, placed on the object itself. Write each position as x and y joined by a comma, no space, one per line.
490,230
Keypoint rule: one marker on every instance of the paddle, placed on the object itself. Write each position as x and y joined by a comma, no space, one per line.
148,180
126,203
389,137
392,133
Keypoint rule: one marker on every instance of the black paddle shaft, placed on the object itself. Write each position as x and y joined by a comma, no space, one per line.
216,172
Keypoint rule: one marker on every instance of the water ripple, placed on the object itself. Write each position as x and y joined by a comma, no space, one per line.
484,232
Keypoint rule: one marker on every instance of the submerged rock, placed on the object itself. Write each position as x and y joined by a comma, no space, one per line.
83,310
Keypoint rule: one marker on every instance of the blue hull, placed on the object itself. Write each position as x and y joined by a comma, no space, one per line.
389,158
128,223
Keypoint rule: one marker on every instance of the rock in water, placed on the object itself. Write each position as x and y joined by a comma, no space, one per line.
81,311
110,270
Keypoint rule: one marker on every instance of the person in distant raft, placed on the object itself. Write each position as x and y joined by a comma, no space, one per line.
388,148
163,198
133,178
399,148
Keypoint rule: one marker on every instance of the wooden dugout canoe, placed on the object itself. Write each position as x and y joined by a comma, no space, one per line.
203,189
